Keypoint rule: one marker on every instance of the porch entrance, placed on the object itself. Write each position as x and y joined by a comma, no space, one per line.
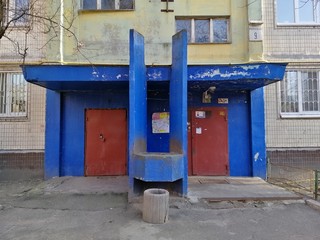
208,141
105,142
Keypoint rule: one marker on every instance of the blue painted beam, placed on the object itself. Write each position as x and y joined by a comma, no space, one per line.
52,137
267,71
137,102
179,102
90,73
258,137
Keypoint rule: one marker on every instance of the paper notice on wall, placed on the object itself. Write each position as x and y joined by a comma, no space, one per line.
200,114
199,130
160,122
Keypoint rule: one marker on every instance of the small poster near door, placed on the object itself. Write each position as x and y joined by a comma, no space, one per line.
160,122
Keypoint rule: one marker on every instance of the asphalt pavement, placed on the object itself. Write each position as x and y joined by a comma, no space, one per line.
98,208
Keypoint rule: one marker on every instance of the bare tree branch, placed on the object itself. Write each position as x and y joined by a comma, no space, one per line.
22,18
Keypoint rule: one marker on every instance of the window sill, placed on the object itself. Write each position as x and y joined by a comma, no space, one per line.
84,11
293,25
209,43
298,116
13,118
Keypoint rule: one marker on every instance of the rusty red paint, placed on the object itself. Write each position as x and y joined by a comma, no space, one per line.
106,142
209,142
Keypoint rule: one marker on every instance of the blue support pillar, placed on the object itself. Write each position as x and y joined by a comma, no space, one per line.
137,101
53,133
179,103
258,137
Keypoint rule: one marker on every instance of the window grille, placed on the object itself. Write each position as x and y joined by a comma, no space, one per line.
299,93
13,95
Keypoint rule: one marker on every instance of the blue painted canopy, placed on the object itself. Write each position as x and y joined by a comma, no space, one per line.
108,77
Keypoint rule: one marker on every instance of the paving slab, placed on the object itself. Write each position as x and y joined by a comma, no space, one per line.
208,188
87,185
233,188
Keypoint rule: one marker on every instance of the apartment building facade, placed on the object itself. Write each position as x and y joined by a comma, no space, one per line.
22,105
291,30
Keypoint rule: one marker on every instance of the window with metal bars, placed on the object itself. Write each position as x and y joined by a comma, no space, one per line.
13,95
299,94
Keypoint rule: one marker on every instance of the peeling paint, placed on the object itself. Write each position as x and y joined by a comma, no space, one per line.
257,157
250,67
155,75
216,72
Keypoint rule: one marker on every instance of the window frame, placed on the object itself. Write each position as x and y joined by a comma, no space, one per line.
297,22
99,4
211,28
8,113
10,12
300,113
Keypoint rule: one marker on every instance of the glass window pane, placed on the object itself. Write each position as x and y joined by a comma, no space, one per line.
182,24
305,11
309,84
3,91
126,4
220,30
108,4
202,32
289,92
89,4
285,11
18,88
21,10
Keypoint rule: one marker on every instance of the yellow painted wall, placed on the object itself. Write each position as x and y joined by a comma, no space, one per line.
103,36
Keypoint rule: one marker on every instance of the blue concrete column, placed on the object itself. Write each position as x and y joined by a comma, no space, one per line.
179,102
258,135
53,135
137,100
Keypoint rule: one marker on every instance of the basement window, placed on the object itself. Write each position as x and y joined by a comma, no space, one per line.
205,30
107,4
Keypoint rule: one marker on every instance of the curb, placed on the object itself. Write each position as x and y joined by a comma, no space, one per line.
313,204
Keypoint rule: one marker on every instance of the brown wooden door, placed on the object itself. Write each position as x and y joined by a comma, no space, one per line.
209,143
106,142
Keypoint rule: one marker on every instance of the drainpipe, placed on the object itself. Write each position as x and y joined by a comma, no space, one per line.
61,31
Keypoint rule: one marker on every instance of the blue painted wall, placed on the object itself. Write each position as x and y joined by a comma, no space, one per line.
258,137
72,144
238,127
157,142
239,133
73,125
178,101
53,135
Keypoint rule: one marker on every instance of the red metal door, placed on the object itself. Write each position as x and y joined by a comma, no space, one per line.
106,142
209,142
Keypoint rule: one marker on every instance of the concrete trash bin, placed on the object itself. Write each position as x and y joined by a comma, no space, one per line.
155,205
